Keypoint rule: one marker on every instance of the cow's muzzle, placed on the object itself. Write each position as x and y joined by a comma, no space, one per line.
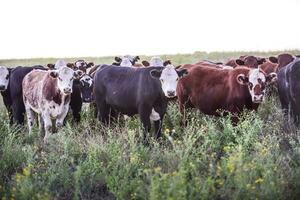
2,87
67,90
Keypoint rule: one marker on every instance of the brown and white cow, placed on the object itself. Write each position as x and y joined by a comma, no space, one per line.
210,89
48,94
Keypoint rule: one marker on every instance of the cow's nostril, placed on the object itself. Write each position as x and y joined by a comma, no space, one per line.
171,93
2,87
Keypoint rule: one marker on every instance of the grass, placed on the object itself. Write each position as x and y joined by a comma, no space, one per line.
208,159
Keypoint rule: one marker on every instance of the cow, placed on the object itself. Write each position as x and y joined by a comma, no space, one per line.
48,93
248,61
82,93
5,92
288,89
130,91
210,90
82,65
282,60
132,59
82,87
12,92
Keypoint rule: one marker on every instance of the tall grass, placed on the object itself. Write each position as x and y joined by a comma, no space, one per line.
208,159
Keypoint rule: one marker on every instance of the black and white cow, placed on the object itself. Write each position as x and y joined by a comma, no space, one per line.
289,89
130,91
4,85
12,92
123,61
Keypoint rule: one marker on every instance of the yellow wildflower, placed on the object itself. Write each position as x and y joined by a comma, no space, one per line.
259,180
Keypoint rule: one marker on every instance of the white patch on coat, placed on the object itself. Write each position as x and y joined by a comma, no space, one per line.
4,77
254,76
169,79
126,62
156,62
154,116
87,79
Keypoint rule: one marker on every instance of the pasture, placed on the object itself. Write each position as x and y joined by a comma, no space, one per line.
209,159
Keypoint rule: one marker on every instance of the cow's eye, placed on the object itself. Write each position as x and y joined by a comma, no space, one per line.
250,85
59,79
177,79
161,80
7,76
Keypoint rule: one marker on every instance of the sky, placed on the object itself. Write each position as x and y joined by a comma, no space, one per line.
65,28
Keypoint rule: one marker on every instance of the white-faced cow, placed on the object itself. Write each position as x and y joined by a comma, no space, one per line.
4,84
130,91
48,94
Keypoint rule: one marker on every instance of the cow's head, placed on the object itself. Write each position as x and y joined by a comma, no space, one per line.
82,65
168,77
126,62
256,80
64,76
250,61
86,88
4,78
124,59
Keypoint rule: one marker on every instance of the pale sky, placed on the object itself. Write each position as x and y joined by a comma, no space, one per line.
73,28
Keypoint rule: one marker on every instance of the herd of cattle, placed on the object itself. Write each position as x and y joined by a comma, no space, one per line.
129,87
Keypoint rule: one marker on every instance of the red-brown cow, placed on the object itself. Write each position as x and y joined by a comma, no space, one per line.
248,61
209,89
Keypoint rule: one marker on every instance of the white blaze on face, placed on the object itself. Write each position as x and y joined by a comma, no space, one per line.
156,62
59,64
65,79
126,62
4,78
256,85
169,79
86,79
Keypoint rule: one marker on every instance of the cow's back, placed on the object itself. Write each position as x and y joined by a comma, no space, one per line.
210,89
125,88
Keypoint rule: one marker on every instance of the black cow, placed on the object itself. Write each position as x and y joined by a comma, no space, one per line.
289,89
82,92
143,91
12,95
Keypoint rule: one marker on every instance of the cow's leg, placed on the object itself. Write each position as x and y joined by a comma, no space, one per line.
41,124
18,110
30,118
158,126
10,116
61,117
145,112
47,126
76,112
103,112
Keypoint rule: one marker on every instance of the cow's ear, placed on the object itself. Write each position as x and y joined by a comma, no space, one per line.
71,65
177,67
239,62
167,62
156,73
273,59
145,63
53,73
136,58
182,72
271,78
50,66
90,64
242,79
118,59
261,60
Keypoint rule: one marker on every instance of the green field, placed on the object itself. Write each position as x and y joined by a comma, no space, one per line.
209,159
